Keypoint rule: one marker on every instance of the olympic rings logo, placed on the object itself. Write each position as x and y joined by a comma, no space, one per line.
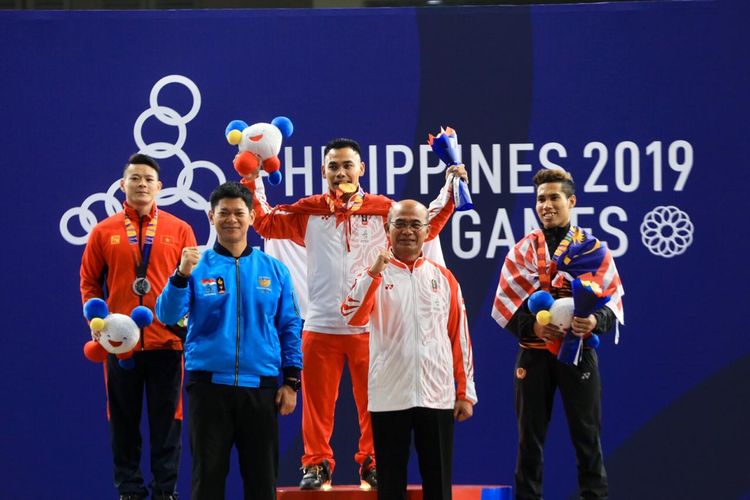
181,192
667,231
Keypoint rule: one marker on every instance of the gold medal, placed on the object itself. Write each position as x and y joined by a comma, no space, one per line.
347,187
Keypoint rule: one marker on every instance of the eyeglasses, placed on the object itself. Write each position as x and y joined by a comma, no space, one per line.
414,225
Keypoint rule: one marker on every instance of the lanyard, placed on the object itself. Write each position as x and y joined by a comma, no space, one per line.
343,211
140,268
541,258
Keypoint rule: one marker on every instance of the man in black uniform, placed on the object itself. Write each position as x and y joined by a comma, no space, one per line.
535,263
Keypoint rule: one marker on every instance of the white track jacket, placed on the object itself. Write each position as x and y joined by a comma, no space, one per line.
337,246
420,349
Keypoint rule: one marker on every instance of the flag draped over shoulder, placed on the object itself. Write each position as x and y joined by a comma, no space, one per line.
529,267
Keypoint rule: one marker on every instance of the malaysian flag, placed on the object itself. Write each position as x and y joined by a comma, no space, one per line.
529,267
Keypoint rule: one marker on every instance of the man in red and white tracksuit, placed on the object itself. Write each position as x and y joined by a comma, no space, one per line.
342,232
421,372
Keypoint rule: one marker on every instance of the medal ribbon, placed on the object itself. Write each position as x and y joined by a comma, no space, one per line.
140,268
342,210
541,258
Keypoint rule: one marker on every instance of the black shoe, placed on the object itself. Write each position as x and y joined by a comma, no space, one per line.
368,475
316,477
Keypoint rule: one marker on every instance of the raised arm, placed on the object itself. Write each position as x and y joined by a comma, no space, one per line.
273,223
360,302
174,301
442,207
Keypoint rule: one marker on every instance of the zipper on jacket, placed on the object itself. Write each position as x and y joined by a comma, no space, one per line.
416,324
343,291
140,297
237,355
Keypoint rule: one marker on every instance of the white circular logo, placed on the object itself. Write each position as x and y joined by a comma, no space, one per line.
667,231
181,192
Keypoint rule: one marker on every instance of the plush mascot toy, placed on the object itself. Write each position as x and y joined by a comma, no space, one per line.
259,146
113,333
587,298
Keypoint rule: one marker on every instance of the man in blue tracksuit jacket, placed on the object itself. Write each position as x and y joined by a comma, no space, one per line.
244,330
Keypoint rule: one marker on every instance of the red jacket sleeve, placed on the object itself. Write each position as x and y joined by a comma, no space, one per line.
92,268
360,302
271,223
458,332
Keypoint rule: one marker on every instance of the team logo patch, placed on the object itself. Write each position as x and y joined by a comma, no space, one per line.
363,234
520,373
389,286
264,284
209,286
114,239
364,220
434,285
220,285
166,239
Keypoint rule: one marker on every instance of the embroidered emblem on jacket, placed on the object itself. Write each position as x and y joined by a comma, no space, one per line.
264,284
209,286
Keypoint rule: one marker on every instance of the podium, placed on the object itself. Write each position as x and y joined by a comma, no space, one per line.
414,492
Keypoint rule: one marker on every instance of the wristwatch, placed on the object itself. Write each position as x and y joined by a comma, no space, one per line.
294,383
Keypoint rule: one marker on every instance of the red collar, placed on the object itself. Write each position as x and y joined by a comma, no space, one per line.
132,213
409,265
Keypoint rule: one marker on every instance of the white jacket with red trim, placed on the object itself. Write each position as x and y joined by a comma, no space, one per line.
420,349
336,251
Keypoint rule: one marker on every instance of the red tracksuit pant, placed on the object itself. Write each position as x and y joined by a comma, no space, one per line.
324,356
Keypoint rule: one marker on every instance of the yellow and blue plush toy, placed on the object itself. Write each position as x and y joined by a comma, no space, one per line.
587,298
114,333
259,146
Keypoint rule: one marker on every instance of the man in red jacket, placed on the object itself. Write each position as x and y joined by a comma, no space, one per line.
127,261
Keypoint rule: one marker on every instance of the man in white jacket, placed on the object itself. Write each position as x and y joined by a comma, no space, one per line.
421,373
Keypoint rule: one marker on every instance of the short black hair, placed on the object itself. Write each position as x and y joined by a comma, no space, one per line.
556,175
342,143
141,159
231,190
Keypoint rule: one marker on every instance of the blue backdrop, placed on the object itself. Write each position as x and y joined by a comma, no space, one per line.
646,103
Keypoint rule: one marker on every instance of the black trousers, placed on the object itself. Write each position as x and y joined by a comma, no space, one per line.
433,441
222,416
538,375
159,373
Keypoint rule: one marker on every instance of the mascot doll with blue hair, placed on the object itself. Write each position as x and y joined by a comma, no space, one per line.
259,145
113,333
